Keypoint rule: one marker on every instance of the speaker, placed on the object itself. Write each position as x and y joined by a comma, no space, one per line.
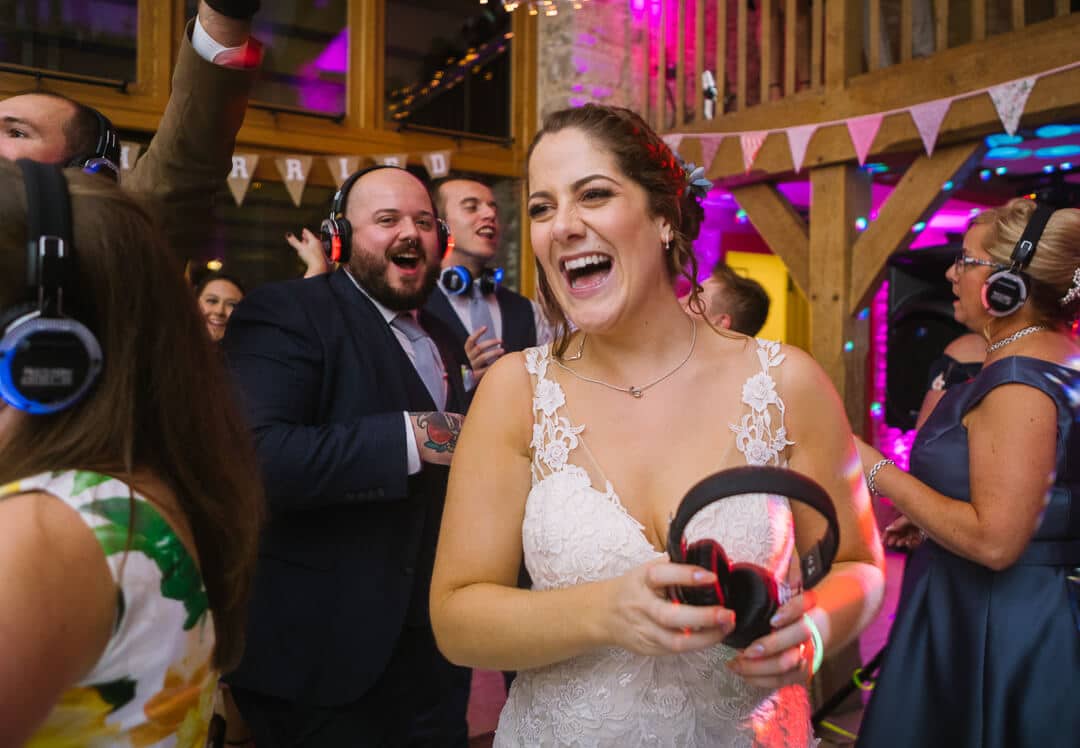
920,325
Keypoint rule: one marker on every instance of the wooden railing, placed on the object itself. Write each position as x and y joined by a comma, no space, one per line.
760,51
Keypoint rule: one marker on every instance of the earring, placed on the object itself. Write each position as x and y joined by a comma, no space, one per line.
667,246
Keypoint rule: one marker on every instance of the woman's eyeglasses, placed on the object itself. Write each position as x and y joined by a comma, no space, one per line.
962,261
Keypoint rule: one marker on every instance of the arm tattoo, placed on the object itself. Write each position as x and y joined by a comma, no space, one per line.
442,430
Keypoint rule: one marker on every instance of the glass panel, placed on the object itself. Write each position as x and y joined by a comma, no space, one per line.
84,37
448,66
306,47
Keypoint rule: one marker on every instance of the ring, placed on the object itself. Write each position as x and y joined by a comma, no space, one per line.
802,654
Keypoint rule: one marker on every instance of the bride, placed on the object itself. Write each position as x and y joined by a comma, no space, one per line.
575,457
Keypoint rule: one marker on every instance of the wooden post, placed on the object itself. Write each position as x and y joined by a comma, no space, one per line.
680,65
843,49
840,194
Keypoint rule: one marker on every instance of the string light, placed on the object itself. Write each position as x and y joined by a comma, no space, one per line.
549,8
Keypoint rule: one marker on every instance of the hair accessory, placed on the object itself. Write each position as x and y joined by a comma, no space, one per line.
1074,292
819,647
871,480
696,183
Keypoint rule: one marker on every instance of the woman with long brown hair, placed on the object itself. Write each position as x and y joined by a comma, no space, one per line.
129,512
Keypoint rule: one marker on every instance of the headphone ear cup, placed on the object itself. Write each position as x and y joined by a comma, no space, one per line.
1004,292
490,280
47,364
336,237
456,280
752,595
709,555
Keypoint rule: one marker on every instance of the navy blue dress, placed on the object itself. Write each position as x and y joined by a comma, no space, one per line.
978,658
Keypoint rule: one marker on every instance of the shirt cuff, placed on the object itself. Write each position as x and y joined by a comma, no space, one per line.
412,451
212,51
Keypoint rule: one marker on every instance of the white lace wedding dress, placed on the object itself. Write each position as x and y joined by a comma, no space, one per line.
575,533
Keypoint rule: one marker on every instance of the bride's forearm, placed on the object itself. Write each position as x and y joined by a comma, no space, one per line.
495,627
847,601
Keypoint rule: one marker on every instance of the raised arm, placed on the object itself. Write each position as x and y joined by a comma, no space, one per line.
848,598
1008,484
479,617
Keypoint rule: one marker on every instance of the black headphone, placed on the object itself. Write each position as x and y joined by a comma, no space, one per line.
1005,291
105,157
48,362
747,589
336,231
456,280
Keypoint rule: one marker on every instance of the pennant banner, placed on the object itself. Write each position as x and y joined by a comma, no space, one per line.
294,172
243,169
798,139
437,163
863,130
341,167
751,144
674,140
928,118
129,153
1009,100
392,159
709,145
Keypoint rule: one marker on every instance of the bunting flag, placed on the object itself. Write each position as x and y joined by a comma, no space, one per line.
798,139
674,140
709,145
437,163
392,159
243,169
928,118
1009,100
129,153
341,167
863,130
751,144
294,171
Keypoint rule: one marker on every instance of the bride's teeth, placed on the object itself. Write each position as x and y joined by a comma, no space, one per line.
581,262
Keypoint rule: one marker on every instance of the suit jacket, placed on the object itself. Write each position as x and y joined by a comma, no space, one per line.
190,155
346,556
518,321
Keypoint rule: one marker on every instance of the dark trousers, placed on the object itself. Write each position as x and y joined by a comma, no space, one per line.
419,701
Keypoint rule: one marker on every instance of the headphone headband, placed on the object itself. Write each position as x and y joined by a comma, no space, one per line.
754,479
105,157
1024,250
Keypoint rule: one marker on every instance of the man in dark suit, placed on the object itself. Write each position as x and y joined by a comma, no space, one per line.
487,318
353,398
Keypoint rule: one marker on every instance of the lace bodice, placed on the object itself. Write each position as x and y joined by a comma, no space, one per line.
573,533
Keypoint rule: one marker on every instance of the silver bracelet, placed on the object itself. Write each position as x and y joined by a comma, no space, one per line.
871,480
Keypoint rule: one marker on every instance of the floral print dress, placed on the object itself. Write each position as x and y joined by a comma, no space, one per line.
154,684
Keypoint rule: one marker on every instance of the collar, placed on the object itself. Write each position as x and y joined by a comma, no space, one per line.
387,313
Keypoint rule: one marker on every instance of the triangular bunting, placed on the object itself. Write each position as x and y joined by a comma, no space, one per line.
341,167
673,140
751,144
437,163
392,159
928,118
709,146
1009,100
798,139
863,130
243,169
294,172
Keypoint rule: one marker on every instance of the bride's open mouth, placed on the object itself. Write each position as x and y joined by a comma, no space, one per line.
586,271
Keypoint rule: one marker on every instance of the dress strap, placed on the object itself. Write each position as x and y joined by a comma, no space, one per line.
761,435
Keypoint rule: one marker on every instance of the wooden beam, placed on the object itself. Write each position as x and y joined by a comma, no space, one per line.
906,24
840,193
918,194
782,228
978,20
721,57
873,61
817,34
364,79
741,56
661,71
1017,14
699,60
843,49
646,72
941,25
680,64
767,64
791,49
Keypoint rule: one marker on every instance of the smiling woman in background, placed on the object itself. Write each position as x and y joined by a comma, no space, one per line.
218,294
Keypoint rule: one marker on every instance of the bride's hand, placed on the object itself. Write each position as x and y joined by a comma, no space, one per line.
783,656
643,620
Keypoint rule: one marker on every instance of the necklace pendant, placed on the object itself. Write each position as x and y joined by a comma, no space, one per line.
634,392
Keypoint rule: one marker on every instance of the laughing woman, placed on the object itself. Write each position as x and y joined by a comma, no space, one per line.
985,651
574,456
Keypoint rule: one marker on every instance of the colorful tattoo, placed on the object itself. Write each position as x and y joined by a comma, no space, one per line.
442,430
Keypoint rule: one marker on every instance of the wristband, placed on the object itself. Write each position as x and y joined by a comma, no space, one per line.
819,647
241,10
